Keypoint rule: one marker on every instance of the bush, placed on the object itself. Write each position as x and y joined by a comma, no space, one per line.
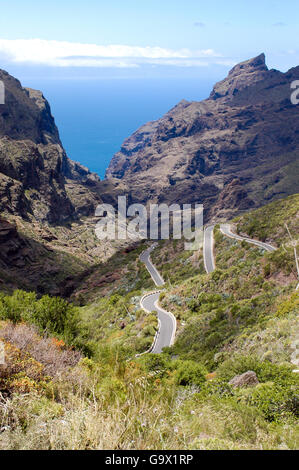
190,373
274,401
275,396
154,362
265,370
53,314
267,270
193,305
216,275
213,340
17,307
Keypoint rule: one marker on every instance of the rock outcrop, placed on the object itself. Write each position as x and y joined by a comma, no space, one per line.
47,202
246,131
37,180
248,379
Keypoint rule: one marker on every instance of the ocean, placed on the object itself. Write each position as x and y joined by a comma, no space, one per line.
94,117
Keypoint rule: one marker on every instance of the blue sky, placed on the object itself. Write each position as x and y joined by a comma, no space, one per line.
108,66
142,38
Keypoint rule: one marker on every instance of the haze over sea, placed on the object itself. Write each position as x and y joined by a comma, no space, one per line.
95,116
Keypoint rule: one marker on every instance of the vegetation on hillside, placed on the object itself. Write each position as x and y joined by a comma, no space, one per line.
72,381
236,301
268,222
175,263
150,403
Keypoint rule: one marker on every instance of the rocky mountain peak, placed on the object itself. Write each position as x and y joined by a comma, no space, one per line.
37,180
26,114
233,151
241,76
250,66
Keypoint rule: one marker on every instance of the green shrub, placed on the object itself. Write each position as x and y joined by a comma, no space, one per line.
216,275
17,307
190,373
193,305
267,270
265,370
275,402
154,362
277,394
213,340
53,314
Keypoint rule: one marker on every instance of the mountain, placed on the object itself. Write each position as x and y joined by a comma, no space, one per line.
236,150
226,383
37,180
69,374
47,201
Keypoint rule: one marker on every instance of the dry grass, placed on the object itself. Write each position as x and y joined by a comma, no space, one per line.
78,423
103,407
52,354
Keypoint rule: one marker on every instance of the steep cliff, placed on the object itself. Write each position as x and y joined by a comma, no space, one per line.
46,201
37,180
246,132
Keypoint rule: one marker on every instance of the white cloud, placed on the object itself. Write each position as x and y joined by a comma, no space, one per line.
279,24
69,54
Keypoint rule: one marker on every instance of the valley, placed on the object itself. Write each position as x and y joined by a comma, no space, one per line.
130,344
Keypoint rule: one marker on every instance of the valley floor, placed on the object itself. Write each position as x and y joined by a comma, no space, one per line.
71,379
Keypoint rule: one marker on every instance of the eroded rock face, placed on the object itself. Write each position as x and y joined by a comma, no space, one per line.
16,253
248,379
240,77
46,200
37,180
247,130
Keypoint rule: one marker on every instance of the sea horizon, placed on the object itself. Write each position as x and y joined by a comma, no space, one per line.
95,116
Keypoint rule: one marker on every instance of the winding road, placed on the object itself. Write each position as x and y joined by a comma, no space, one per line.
167,321
209,262
145,258
149,302
208,249
227,230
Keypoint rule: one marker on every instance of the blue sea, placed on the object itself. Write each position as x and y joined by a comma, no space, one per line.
94,117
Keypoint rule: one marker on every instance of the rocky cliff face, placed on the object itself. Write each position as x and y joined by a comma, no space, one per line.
46,200
37,180
235,150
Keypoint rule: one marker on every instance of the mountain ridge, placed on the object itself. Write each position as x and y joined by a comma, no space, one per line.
37,179
246,131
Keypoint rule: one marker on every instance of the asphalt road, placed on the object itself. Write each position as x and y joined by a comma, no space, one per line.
167,329
149,303
145,258
208,249
226,229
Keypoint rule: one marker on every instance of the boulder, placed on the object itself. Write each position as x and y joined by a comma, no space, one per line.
248,379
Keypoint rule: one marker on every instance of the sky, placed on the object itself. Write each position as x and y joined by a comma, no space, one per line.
144,38
109,66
